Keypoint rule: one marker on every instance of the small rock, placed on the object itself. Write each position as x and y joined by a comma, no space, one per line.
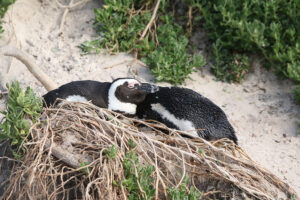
55,50
30,43
284,135
253,135
246,90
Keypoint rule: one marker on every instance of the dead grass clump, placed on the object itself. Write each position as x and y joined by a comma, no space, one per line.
78,151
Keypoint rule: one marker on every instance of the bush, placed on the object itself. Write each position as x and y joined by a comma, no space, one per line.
183,192
22,110
271,28
137,177
139,180
164,48
297,94
236,29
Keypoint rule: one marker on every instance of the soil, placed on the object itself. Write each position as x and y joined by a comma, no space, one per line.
261,108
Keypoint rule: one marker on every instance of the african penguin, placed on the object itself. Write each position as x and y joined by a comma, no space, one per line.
185,109
122,95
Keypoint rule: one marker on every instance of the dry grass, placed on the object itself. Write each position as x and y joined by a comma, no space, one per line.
74,133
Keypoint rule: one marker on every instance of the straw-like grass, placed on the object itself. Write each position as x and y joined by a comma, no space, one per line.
75,133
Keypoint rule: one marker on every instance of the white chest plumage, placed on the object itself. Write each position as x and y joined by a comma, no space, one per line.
184,125
115,104
76,98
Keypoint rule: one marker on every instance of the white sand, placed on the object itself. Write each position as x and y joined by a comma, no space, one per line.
261,109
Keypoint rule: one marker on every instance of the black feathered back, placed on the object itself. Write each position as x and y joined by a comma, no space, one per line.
187,104
94,91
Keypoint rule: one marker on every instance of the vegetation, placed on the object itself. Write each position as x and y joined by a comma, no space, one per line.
4,4
84,169
23,109
239,28
236,30
271,28
126,165
121,24
297,93
182,192
139,178
112,152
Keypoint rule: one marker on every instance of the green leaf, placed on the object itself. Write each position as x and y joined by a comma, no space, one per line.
293,70
85,170
131,144
14,141
201,151
23,110
119,30
297,94
112,152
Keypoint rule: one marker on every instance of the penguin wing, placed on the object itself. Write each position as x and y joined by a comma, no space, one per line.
94,91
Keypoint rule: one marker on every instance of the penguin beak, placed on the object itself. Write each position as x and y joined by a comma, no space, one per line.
148,88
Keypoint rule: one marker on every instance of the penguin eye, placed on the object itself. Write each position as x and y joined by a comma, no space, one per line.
132,85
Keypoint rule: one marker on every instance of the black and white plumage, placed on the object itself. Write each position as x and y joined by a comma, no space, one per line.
178,108
121,95
88,90
185,109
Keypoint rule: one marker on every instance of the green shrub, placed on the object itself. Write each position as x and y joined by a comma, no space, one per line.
237,28
4,4
120,24
112,152
297,94
297,97
271,28
23,109
145,179
183,192
169,61
84,169
137,174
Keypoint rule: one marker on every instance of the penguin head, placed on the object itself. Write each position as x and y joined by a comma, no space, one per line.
125,93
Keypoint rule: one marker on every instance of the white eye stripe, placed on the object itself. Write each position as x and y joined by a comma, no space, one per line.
114,103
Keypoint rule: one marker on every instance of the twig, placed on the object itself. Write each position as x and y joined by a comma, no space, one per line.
189,24
67,10
63,19
72,159
151,20
3,93
135,60
30,64
131,62
117,64
71,6
172,158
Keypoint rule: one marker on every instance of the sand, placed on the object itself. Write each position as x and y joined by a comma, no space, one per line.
261,108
